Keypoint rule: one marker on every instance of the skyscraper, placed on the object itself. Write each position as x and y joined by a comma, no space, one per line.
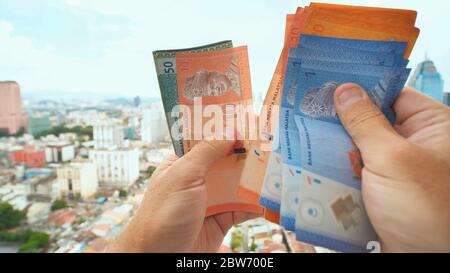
427,80
137,101
446,100
12,119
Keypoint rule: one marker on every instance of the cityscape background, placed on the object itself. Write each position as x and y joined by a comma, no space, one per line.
81,122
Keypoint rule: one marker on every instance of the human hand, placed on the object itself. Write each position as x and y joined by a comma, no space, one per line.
406,174
171,217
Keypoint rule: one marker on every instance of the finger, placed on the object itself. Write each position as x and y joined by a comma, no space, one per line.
240,216
227,219
410,102
362,119
166,163
206,153
191,169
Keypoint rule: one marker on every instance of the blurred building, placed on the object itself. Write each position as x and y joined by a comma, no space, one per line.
36,125
5,159
29,155
153,125
116,167
40,188
59,152
62,217
33,172
107,135
130,133
78,179
427,80
446,100
12,118
84,118
137,101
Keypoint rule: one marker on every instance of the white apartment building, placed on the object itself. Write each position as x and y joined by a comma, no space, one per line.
107,135
78,178
116,167
153,125
59,152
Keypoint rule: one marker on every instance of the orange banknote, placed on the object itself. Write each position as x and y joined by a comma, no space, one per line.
214,87
251,180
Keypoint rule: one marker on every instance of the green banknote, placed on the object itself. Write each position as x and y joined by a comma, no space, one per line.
167,78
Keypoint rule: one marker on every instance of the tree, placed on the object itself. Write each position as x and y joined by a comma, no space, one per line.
36,242
9,217
57,130
29,240
59,204
237,240
253,246
123,193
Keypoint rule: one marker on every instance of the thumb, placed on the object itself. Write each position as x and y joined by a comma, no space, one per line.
206,153
363,120
193,166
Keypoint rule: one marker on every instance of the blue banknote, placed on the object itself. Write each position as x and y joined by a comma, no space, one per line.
378,67
331,212
327,43
344,55
272,186
290,137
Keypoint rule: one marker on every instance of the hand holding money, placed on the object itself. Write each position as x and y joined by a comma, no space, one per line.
405,179
173,210
327,163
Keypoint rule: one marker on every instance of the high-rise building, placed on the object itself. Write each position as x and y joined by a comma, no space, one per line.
108,135
153,125
446,100
427,80
12,118
116,167
36,125
78,179
137,101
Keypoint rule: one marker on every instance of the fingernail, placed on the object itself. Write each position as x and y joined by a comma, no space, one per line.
350,96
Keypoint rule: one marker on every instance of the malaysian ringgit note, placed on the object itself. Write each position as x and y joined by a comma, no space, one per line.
167,78
331,212
367,23
327,55
263,164
213,85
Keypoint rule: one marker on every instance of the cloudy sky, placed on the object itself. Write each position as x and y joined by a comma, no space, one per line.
104,46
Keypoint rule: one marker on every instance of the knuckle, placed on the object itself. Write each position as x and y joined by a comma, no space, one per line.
364,116
185,170
209,146
200,171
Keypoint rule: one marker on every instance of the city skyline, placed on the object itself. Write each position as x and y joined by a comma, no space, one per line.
104,48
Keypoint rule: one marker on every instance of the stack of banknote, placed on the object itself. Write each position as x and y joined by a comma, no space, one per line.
303,168
311,183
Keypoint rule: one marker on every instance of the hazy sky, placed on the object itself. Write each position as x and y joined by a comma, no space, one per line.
105,46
